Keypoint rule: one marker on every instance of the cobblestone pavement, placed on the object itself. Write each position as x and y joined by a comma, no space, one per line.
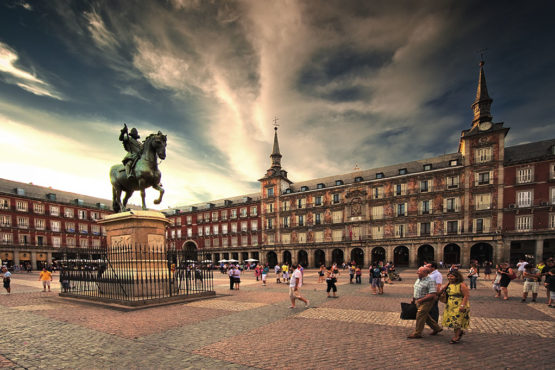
254,328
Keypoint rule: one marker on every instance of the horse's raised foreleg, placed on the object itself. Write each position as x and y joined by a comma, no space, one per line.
128,194
116,199
161,190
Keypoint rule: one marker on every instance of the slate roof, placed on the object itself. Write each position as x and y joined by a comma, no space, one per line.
524,153
9,187
235,201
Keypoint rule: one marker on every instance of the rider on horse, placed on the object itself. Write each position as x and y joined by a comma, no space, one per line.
133,147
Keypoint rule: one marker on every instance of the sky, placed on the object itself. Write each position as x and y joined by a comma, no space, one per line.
367,83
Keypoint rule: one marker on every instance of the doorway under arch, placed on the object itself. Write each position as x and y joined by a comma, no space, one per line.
425,254
286,258
319,258
337,256
378,254
190,251
451,254
401,256
302,258
357,255
481,252
271,257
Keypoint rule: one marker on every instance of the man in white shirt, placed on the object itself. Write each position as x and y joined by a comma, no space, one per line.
295,286
436,276
521,265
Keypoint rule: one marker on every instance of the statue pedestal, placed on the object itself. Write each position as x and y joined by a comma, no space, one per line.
136,254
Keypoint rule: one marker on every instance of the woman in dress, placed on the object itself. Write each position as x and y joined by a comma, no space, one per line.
321,274
473,276
487,271
331,279
456,314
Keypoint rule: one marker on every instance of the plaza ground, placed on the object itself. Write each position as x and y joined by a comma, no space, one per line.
254,328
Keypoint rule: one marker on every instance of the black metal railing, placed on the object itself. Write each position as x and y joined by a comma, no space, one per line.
134,273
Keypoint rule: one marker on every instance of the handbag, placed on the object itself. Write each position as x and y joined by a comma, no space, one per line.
444,296
408,311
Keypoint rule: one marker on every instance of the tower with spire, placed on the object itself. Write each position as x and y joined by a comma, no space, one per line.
482,104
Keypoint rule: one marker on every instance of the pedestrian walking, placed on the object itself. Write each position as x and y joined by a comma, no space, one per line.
285,274
358,275
520,268
236,277
375,278
277,269
531,282
265,271
496,287
435,275
321,274
46,277
549,264
331,279
473,276
295,287
6,279
456,314
507,274
550,285
424,293
352,269
231,277
487,271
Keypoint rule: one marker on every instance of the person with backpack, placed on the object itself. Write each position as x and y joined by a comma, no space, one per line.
376,277
507,274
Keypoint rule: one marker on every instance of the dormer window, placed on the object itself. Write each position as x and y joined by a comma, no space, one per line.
358,179
453,163
288,191
320,186
427,167
379,175
402,171
304,188
338,182
20,191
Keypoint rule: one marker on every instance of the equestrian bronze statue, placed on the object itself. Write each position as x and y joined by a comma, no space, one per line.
139,169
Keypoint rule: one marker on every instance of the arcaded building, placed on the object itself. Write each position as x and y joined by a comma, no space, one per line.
483,202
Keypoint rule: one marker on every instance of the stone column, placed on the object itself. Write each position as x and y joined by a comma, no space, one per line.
16,260
539,250
311,262
327,251
413,256
367,256
34,260
465,255
389,253
49,258
437,253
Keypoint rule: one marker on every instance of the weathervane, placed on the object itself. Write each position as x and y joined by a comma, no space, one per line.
276,125
482,51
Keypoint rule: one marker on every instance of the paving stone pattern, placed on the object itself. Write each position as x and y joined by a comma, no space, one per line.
255,328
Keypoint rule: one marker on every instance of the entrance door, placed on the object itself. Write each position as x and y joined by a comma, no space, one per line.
451,255
401,256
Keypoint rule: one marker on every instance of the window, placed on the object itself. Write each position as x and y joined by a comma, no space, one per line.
224,215
424,228
377,213
358,179
244,226
81,214
377,232
189,232
7,238
451,205
224,229
23,222
377,192
318,200
254,211
38,208
425,186
524,198
453,163
21,206
301,203
271,239
286,205
189,220
54,211
403,171
57,242
452,182
401,209
483,155
243,212
234,212
206,217
216,229
234,227
482,225
207,229
70,242
96,243
200,230
177,221
552,171
286,238
318,236
301,237
552,220
40,224
524,175
5,220
300,220
320,186
254,225
270,192
337,216
523,223
68,212
337,235
425,207
96,216
482,201
270,208
224,242
400,231
338,182
4,204
400,189
552,195
173,234
380,175
55,226
83,243
214,216
452,227
70,227
286,221
269,224
335,198
24,239
427,167
483,178
317,218
83,229
304,188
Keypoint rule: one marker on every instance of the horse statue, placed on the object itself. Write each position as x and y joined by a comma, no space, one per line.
146,172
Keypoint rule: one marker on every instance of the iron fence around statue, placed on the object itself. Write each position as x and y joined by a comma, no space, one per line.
134,273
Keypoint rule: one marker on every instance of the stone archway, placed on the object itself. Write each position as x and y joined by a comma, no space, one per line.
401,256
378,255
319,258
287,258
190,251
425,254
302,258
481,252
271,258
357,255
337,256
451,254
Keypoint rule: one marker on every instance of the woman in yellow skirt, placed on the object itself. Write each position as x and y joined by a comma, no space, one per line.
456,314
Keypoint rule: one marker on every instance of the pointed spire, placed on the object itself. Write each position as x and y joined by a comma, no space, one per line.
482,103
276,155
